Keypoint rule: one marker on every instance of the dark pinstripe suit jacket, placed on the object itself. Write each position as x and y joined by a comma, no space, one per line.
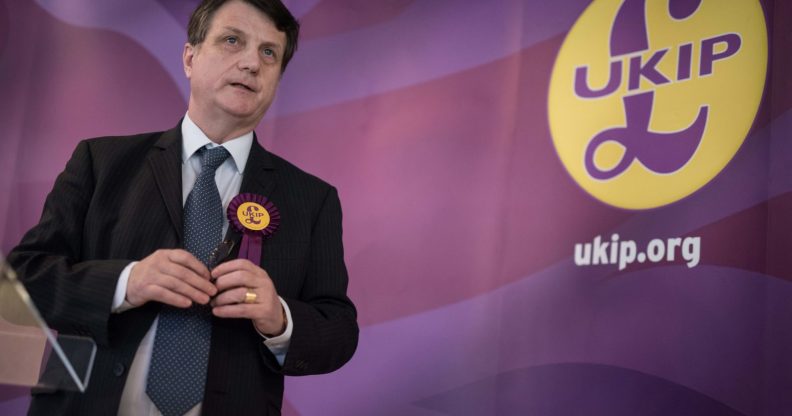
118,200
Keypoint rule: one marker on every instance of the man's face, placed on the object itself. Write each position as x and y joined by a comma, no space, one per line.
235,71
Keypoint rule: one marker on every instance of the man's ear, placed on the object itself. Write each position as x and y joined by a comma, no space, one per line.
187,59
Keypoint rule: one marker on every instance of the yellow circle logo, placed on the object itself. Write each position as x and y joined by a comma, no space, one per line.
253,216
649,100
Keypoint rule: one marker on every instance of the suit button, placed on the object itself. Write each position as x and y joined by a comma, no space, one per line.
118,369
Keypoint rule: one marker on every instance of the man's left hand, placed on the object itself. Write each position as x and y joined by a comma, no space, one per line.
234,279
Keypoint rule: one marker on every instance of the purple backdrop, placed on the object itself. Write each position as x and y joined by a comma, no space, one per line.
459,220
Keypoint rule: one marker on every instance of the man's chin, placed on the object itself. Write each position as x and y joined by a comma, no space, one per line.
245,113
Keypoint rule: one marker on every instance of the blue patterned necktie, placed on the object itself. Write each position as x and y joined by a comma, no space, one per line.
177,373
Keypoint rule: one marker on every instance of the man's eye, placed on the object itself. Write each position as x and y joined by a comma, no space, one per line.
232,40
268,52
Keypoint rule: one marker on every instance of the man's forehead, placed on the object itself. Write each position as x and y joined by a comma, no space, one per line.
229,18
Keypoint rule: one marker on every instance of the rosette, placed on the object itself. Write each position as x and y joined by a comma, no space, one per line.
256,218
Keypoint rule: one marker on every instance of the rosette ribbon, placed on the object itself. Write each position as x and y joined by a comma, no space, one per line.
256,218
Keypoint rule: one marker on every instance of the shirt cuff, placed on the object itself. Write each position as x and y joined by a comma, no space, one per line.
119,298
280,345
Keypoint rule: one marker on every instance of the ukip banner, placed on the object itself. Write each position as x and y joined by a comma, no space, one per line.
550,207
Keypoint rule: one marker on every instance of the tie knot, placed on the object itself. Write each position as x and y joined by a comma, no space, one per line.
214,157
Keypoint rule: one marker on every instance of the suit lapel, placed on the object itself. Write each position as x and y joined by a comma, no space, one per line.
258,178
165,161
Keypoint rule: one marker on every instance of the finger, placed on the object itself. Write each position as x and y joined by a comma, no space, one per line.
163,295
186,259
230,297
237,310
236,278
182,288
188,277
232,266
244,278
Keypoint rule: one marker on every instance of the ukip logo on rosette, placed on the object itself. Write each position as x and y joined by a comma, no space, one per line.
256,218
650,99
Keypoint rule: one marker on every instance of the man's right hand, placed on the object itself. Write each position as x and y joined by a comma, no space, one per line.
173,277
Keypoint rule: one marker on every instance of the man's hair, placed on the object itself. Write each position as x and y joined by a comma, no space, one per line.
274,9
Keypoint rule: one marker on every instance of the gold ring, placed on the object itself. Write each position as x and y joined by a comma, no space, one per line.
250,296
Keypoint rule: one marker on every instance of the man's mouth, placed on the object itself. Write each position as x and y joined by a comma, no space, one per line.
240,85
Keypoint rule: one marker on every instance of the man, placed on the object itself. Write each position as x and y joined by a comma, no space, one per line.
122,251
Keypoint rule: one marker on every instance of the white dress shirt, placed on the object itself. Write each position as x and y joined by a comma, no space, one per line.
134,400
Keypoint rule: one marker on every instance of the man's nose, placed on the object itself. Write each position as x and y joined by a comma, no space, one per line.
250,60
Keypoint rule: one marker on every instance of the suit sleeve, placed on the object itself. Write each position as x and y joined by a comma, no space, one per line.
73,294
325,331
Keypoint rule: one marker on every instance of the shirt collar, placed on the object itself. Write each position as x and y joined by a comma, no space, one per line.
193,138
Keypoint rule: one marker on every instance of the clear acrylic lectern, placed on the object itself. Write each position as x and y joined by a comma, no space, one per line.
31,354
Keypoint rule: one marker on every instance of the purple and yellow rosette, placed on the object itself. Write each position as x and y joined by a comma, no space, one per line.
256,218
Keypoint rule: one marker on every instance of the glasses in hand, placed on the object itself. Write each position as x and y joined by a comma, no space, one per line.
220,253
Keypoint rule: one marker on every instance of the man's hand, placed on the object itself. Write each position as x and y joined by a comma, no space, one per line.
234,279
174,277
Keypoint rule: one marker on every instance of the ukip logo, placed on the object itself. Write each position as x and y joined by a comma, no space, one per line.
650,99
252,213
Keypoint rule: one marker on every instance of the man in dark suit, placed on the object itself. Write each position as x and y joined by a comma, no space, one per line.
107,259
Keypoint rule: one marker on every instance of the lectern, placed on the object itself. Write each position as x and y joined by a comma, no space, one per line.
32,354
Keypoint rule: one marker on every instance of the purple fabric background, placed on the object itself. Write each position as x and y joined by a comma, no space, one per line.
460,222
